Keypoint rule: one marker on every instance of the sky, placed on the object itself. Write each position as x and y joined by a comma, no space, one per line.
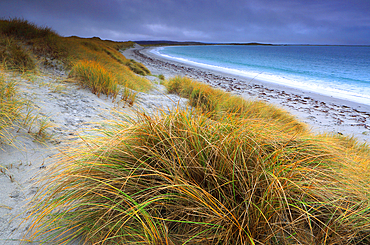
265,21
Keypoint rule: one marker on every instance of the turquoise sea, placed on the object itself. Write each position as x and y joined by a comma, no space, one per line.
338,71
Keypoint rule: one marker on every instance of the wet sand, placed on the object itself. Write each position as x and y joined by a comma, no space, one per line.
323,114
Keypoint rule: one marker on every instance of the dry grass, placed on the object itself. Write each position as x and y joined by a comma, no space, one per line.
23,29
94,76
184,178
229,172
19,115
107,54
43,40
95,63
10,110
216,103
128,96
35,44
14,56
138,68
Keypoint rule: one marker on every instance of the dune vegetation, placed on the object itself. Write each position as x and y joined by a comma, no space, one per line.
96,77
92,62
10,109
216,104
220,174
223,171
18,114
23,45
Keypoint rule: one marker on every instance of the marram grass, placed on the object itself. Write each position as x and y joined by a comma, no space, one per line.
13,56
17,114
96,77
183,178
25,46
107,54
218,103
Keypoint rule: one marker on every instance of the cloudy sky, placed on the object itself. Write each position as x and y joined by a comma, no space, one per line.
266,21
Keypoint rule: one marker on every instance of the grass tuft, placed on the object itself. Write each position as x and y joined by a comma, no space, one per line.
128,96
216,103
183,178
107,54
161,77
96,77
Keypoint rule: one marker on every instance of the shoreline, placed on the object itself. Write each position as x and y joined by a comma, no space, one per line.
71,111
323,114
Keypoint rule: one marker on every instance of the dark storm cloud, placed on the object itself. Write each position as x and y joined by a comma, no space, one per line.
273,21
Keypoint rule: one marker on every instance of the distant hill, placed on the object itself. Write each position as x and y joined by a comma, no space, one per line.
167,42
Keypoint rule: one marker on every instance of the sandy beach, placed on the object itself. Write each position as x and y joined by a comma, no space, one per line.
323,114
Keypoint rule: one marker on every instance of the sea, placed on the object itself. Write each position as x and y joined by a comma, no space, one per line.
338,71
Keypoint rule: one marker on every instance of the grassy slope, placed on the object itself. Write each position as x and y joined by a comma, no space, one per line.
24,47
107,54
24,41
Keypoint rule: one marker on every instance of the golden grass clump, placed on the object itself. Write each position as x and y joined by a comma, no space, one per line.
217,103
183,178
95,77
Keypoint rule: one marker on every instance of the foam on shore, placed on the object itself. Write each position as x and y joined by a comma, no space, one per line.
294,82
323,113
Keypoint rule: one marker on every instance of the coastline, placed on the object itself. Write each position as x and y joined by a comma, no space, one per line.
72,111
323,114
